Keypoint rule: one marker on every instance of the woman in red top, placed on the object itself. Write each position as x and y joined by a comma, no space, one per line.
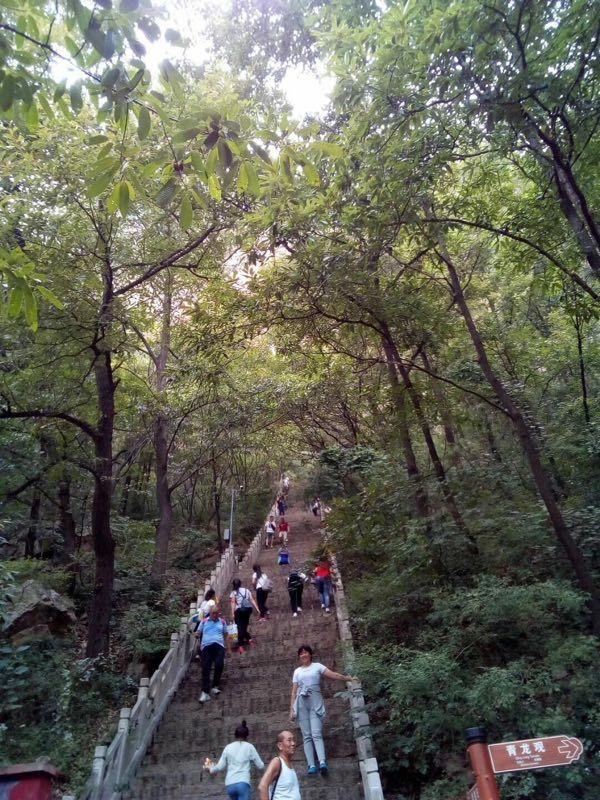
284,530
323,582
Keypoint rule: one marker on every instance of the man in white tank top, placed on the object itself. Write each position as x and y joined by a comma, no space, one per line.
280,781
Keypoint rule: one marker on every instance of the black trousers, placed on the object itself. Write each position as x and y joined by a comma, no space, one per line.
242,620
261,599
212,654
296,598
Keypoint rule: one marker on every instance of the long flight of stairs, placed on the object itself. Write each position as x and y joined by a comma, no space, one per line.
256,687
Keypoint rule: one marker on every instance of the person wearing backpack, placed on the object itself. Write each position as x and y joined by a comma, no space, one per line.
323,582
237,758
214,639
263,585
242,603
295,589
280,778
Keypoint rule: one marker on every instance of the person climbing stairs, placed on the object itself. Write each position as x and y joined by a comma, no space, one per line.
256,686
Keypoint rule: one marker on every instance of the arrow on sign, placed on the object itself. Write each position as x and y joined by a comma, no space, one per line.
571,749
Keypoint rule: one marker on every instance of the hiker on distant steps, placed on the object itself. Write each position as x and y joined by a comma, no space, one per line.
270,531
308,707
263,585
213,631
279,775
237,758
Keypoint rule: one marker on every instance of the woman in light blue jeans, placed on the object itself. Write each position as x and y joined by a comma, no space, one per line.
237,758
308,707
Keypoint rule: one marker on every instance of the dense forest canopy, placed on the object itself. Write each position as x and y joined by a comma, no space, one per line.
395,298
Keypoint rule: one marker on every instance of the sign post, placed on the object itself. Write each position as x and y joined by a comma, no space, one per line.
485,787
545,751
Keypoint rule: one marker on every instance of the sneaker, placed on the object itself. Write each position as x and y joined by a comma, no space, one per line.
328,611
204,698
323,768
312,771
262,619
215,690
294,614
241,649
299,610
322,605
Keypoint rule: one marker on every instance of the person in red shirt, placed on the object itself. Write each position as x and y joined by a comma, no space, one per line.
323,582
284,530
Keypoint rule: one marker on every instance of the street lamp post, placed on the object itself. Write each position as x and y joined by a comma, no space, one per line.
234,493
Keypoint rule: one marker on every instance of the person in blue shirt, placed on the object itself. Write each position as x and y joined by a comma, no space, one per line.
215,638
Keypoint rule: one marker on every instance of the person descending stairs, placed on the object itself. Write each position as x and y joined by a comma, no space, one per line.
256,687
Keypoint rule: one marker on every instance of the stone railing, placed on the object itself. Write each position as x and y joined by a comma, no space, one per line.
115,766
367,761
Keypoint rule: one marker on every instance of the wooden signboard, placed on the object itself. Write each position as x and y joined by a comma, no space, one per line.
547,751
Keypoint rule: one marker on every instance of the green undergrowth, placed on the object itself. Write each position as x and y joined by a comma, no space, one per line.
446,639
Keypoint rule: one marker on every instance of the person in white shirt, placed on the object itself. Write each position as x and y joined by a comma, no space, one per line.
263,585
237,758
242,603
279,777
308,707
270,531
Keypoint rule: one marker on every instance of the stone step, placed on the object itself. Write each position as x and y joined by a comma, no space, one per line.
319,789
256,687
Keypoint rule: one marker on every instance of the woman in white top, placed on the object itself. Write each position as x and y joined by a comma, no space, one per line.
279,777
308,707
237,758
263,585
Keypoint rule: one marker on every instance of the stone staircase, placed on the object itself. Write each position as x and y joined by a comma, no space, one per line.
256,687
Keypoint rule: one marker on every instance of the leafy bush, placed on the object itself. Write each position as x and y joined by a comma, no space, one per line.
147,631
57,706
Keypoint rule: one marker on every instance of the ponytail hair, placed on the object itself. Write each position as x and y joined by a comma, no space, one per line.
256,568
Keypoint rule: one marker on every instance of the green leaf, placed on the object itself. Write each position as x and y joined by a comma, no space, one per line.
124,198
199,166
253,184
50,297
211,140
214,188
76,98
15,302
329,149
185,136
111,76
100,185
311,174
151,168
127,6
173,37
47,108
186,214
71,46
97,139
166,193
149,28
60,90
144,123
212,161
32,119
261,152
113,201
243,181
31,309
225,154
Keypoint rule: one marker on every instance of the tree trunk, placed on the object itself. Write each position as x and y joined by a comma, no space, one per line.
67,521
104,544
98,640
161,445
438,467
192,499
449,432
34,518
125,495
582,377
541,477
